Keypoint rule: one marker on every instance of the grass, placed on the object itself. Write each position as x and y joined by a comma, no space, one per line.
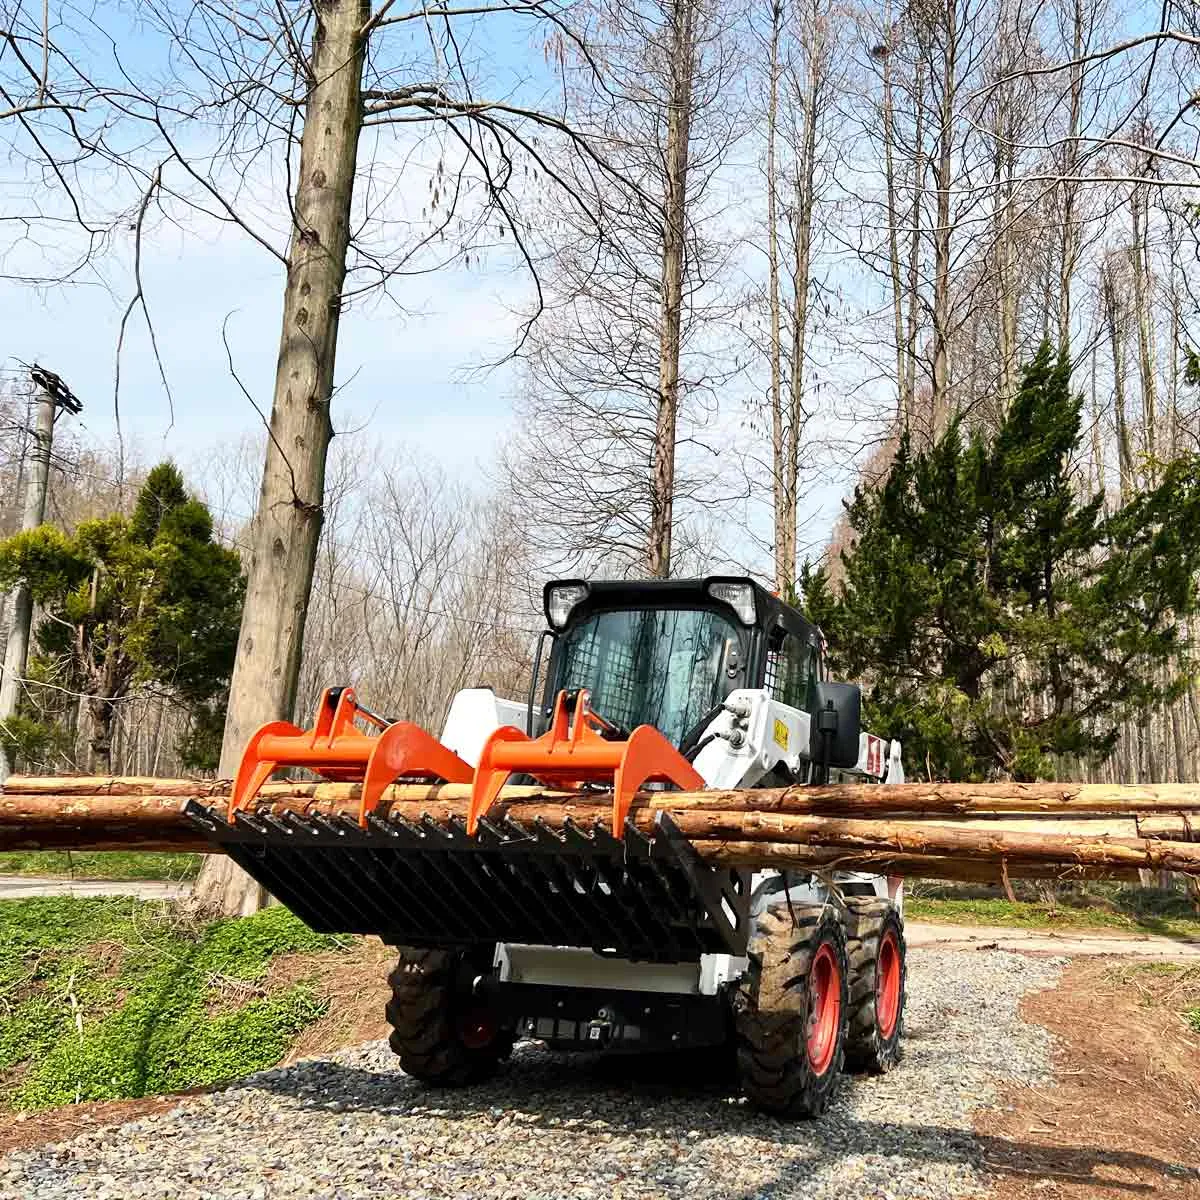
1129,909
110,998
109,865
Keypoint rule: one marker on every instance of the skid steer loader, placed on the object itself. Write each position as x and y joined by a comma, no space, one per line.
604,938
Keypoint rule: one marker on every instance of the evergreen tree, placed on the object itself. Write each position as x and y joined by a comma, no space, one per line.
997,617
133,601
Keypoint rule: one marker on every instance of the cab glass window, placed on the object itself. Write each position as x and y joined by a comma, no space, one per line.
791,669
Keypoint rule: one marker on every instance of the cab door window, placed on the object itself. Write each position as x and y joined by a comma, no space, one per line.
791,667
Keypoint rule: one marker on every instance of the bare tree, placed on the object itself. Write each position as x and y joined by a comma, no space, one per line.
801,46
294,94
622,369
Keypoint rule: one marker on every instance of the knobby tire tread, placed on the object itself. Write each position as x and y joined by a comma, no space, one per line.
771,1011
866,1049
424,1034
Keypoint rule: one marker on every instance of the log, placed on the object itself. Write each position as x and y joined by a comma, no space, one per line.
109,814
953,799
146,817
118,785
828,858
97,822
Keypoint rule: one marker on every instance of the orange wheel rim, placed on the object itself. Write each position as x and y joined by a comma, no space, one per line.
887,985
824,1009
476,1029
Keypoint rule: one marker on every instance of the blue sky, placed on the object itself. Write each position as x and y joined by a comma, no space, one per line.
410,377
413,377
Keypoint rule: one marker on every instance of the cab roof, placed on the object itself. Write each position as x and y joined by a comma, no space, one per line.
605,595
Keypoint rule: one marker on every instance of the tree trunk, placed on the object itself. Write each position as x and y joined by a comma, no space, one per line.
1070,233
100,715
942,231
1004,265
1145,328
1114,312
903,397
290,507
16,645
683,15
804,203
913,302
1097,437
785,557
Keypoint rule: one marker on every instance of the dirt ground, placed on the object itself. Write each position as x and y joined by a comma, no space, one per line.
356,987
20,1131
1122,1117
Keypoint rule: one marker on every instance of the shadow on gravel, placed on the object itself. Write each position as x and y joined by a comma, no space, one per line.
536,1083
695,1097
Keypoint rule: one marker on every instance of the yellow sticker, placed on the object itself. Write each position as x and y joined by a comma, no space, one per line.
781,734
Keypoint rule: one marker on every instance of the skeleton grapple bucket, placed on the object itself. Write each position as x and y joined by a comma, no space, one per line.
475,882
433,884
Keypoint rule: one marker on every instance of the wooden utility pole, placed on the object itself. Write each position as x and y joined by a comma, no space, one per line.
52,394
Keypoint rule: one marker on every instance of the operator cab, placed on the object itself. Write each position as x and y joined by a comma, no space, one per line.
667,653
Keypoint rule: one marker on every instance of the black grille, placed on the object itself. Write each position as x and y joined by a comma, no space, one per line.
429,884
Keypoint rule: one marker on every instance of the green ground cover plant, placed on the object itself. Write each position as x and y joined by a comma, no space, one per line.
110,998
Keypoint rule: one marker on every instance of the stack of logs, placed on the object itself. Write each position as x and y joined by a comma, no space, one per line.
973,832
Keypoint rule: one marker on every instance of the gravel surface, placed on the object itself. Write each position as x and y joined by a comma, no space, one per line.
575,1129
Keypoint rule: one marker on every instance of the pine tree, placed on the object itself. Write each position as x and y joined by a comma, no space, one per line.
148,599
997,617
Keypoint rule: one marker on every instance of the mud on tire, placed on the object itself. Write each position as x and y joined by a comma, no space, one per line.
439,1040
877,984
778,995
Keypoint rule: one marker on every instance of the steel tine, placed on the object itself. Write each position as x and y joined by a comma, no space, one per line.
299,824
548,831
433,826
379,825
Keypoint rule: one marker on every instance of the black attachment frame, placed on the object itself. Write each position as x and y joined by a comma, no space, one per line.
430,884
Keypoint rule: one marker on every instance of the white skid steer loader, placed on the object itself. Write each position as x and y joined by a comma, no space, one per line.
605,939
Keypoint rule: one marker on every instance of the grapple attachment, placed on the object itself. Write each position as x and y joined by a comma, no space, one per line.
429,883
486,879
585,749
336,749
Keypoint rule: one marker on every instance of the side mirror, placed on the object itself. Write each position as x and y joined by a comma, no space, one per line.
836,724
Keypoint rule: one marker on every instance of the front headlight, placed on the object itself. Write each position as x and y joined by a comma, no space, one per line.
739,597
560,599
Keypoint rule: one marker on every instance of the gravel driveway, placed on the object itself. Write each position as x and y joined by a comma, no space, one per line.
555,1129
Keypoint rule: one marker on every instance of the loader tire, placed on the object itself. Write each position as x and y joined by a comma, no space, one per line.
878,971
439,1039
790,1010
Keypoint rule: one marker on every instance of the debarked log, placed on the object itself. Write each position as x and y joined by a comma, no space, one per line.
1064,841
